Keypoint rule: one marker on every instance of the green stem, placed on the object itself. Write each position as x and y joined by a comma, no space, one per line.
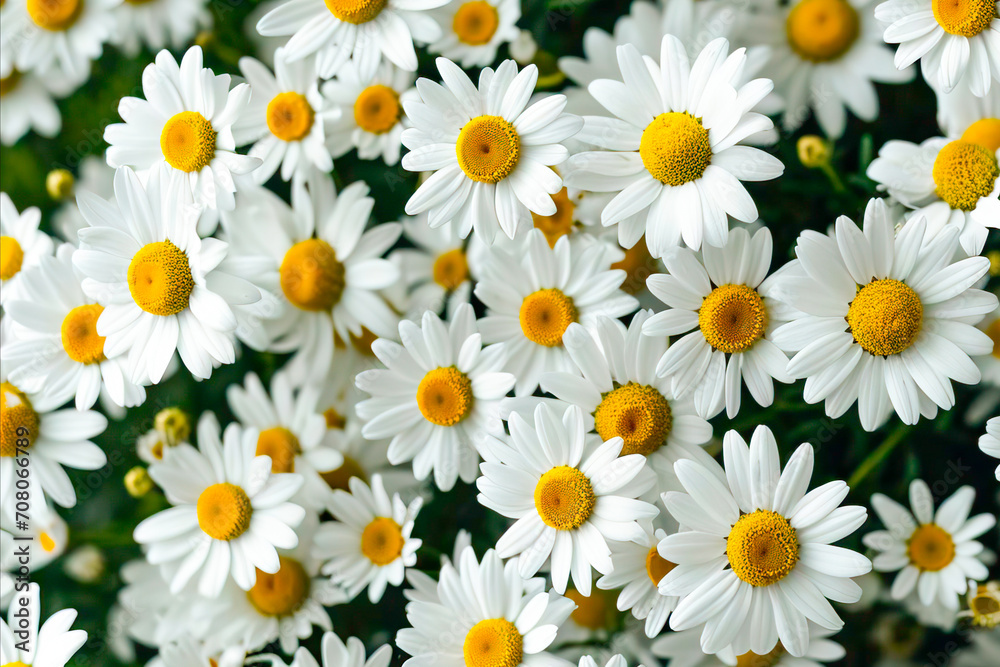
831,173
878,455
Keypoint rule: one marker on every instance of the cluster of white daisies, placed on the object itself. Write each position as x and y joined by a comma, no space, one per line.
626,294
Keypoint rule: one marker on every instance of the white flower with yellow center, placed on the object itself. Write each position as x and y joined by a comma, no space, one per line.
437,273
726,298
337,653
188,653
46,529
494,618
51,645
977,119
369,544
438,397
951,38
22,245
532,298
184,127
684,650
473,30
230,513
27,102
568,495
989,442
362,30
159,24
935,553
490,151
671,148
756,562
883,320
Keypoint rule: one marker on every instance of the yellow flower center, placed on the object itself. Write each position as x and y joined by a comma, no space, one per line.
657,566
377,109
451,269
594,612
289,116
16,414
9,82
11,257
930,548
362,343
382,541
281,445
762,548
475,22
334,420
558,224
355,11
751,659
488,148
545,315
17,664
48,544
638,265
964,172
732,318
885,317
985,606
494,642
224,511
985,132
993,331
675,148
444,396
339,478
636,413
564,498
311,276
79,334
822,30
281,593
188,141
966,18
54,15
159,278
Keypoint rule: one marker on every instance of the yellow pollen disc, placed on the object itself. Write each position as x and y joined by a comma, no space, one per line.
494,642
16,412
79,334
54,15
16,664
930,548
48,544
451,269
188,141
545,315
355,11
334,420
675,149
985,606
281,445
964,172
281,593
224,511
966,18
488,148
564,498
9,82
311,276
732,318
993,331
985,132
11,257
752,659
885,317
657,566
475,22
339,478
636,413
558,224
822,30
159,278
638,265
762,548
444,396
382,541
377,109
595,612
289,116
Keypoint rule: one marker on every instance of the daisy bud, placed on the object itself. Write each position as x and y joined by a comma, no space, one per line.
85,564
984,604
59,184
173,424
138,482
813,151
994,257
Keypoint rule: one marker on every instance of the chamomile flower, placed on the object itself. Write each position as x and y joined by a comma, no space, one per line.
362,30
567,496
935,553
436,272
230,513
159,24
489,150
45,528
473,30
882,321
531,300
683,650
989,442
369,544
962,115
756,562
189,653
51,645
728,302
22,245
184,127
27,102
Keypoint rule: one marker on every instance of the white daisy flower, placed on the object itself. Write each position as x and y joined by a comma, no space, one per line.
473,30
286,118
27,102
881,321
363,30
489,150
756,562
184,127
189,653
159,24
532,298
51,645
369,544
336,653
567,498
671,147
962,115
22,245
436,273
989,442
230,511
726,298
684,650
935,553
951,40
493,615
45,528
